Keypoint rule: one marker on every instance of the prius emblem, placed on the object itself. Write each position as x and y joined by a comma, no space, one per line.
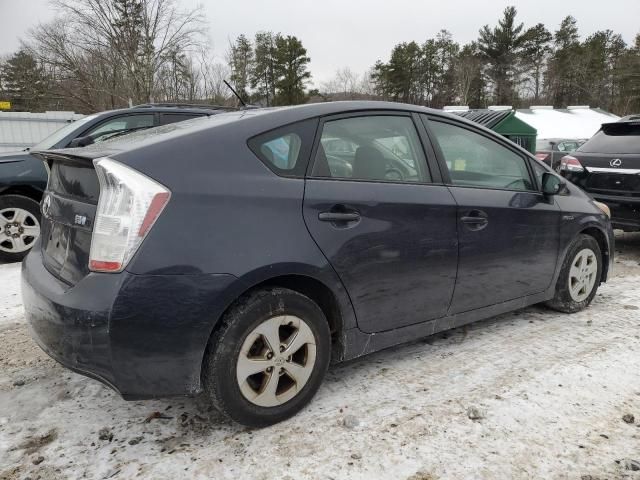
616,162
80,220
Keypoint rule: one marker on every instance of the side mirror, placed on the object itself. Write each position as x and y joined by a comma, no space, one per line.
551,184
81,142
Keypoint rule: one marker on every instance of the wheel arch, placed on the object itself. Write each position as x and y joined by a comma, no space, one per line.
24,191
321,287
603,242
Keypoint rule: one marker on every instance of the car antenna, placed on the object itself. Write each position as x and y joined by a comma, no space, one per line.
235,93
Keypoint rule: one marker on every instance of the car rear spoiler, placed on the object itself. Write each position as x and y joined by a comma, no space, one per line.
75,155
622,128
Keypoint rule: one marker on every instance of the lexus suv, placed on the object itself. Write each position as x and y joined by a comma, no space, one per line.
607,166
23,178
238,255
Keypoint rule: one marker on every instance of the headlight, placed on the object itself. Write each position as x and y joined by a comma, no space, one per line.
603,207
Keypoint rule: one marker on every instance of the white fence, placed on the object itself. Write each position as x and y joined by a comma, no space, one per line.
19,130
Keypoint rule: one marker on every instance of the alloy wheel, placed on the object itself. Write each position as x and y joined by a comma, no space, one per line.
276,360
582,275
19,229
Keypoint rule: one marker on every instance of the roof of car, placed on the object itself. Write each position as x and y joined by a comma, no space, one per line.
167,108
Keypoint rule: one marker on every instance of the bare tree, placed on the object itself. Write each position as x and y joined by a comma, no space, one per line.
107,52
348,85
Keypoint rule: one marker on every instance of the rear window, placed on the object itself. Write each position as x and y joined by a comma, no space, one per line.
614,138
286,150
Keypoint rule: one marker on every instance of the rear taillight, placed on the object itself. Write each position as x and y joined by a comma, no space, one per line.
128,206
569,163
542,156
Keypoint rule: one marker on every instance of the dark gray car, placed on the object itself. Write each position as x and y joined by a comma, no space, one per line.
240,254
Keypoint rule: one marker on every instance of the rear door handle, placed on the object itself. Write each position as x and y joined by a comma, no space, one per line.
475,220
339,216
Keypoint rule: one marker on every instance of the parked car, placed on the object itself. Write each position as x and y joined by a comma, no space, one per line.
607,166
192,257
551,150
23,178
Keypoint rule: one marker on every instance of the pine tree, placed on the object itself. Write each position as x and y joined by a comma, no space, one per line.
536,47
501,47
264,68
241,62
24,81
291,71
565,64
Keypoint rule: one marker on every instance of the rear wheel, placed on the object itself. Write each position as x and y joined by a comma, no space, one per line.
19,226
579,277
268,358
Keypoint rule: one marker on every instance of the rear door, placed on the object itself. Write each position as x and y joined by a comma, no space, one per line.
376,210
507,229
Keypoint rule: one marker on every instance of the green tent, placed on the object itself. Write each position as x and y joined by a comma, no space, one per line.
506,124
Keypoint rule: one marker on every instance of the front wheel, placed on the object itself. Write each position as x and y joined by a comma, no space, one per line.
268,358
579,277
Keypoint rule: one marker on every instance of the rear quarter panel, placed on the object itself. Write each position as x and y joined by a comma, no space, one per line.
228,214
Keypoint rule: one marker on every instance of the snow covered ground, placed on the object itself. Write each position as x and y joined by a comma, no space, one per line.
547,393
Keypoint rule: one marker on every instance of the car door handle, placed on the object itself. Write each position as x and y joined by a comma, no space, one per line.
338,216
475,220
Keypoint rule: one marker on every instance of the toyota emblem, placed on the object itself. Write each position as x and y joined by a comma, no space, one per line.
616,162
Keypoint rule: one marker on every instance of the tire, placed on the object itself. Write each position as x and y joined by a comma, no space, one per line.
571,296
241,341
12,248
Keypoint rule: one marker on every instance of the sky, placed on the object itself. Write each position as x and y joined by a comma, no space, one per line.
356,33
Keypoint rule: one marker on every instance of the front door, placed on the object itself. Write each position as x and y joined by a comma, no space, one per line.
387,230
508,230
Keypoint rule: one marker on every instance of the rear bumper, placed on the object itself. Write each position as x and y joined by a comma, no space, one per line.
142,335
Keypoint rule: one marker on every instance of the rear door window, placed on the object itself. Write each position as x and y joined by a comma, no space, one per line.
376,147
474,160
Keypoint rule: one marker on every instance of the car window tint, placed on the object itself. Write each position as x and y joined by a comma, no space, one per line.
118,124
475,160
618,138
286,150
282,152
376,147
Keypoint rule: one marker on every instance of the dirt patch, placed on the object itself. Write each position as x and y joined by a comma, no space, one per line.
35,443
